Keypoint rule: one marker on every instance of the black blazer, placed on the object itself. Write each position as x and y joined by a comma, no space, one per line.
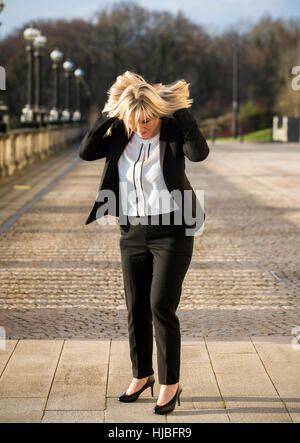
179,137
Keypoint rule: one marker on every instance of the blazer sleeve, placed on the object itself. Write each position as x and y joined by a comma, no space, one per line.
95,143
194,144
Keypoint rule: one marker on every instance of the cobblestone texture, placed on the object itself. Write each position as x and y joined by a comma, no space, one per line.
60,278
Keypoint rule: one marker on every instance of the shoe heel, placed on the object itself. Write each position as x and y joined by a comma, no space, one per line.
152,389
178,398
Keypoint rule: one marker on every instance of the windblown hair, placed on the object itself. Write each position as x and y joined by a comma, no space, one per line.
131,94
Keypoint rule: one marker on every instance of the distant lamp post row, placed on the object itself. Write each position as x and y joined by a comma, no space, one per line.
35,42
35,113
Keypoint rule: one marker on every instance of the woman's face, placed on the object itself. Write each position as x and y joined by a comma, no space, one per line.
146,128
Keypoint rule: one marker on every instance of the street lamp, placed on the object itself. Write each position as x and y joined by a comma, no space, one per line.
29,34
235,88
56,57
2,4
78,73
39,43
68,68
4,117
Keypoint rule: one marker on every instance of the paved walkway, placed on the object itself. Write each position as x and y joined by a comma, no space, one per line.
63,311
62,279
246,379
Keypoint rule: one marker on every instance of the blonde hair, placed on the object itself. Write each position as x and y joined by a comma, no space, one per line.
131,94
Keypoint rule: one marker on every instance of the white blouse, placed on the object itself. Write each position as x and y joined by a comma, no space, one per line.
142,186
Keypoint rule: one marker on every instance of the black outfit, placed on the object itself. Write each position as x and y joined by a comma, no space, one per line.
155,257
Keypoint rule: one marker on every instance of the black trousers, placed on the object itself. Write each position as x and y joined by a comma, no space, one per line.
155,259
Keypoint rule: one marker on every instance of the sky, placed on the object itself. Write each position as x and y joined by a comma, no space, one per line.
216,16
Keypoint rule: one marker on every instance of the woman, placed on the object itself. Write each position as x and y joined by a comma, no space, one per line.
145,148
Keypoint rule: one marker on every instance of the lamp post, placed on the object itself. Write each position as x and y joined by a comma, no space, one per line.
56,57
4,117
78,73
235,89
68,68
2,4
29,34
39,43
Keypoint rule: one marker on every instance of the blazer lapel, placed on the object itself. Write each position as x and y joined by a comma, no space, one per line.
121,145
163,141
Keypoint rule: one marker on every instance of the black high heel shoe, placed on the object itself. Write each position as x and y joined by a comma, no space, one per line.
133,397
168,407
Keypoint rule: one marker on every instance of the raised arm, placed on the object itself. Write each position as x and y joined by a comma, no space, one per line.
194,144
95,143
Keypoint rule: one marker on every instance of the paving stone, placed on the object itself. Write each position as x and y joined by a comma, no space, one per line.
256,409
199,386
76,397
21,410
30,370
230,345
285,376
256,384
295,416
257,415
81,375
198,416
194,353
5,354
276,349
73,417
236,363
